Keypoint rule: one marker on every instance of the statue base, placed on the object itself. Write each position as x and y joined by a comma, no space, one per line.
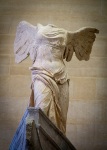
42,134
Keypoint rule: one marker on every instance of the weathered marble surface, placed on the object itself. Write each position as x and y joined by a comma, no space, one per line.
48,46
42,134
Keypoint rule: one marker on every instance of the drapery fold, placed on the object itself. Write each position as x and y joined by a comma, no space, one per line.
19,140
54,110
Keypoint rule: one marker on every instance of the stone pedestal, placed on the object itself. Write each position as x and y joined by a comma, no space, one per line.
42,134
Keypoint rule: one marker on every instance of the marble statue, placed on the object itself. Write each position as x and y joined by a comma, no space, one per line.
48,46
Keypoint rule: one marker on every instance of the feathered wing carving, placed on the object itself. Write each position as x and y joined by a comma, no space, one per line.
25,42
80,42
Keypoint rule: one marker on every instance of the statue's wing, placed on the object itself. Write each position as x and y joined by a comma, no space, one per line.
80,42
25,42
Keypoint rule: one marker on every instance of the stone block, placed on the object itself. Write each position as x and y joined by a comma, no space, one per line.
10,47
50,6
84,88
87,112
87,72
78,114
94,62
99,47
4,59
5,136
4,51
105,111
100,135
47,132
100,111
19,70
8,124
7,39
104,8
4,70
4,86
101,89
4,28
71,133
19,86
12,109
85,135
4,144
5,19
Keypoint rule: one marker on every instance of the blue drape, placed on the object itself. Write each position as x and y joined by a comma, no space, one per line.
19,139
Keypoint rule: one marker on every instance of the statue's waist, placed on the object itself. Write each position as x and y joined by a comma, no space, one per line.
60,77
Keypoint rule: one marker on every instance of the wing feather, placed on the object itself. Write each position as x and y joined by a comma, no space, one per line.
24,41
81,43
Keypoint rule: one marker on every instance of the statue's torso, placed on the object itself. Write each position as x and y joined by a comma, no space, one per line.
51,43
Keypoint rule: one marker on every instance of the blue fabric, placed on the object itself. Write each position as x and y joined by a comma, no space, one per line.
19,139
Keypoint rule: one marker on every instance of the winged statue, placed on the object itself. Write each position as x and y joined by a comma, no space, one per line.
47,47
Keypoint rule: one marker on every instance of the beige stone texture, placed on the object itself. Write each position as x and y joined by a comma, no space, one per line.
94,62
19,86
4,70
19,70
101,88
4,27
4,86
104,7
87,114
4,51
100,47
10,117
83,88
87,72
